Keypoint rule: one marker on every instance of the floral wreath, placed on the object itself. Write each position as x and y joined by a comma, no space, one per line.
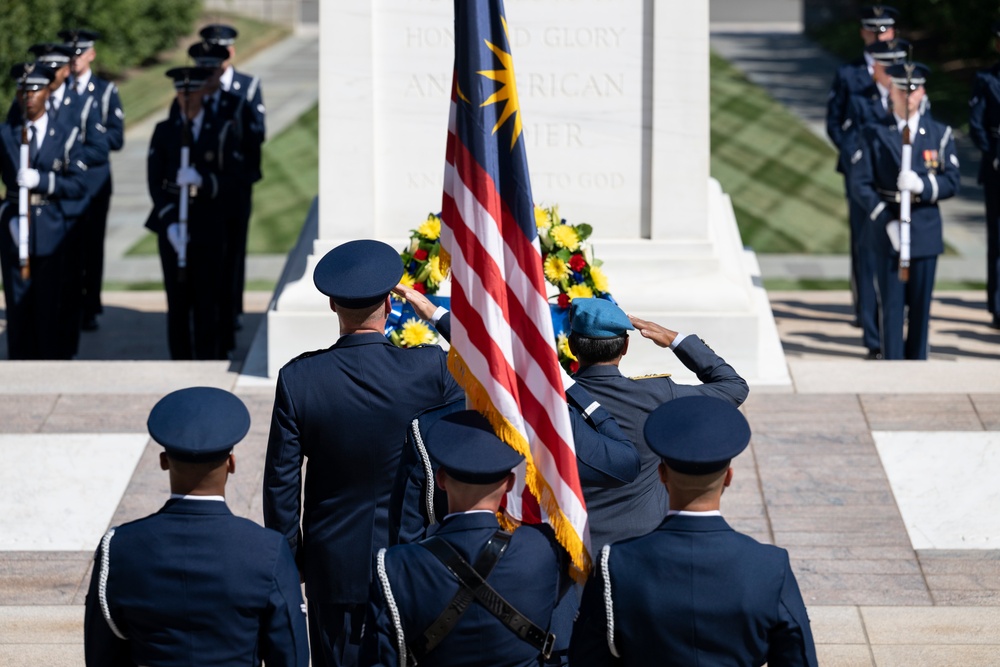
567,261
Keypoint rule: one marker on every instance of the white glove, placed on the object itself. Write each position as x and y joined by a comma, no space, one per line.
174,236
892,230
189,176
28,178
908,180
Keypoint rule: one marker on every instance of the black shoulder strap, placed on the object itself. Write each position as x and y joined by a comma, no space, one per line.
474,586
446,621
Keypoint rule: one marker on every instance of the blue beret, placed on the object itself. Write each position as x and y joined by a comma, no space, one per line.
697,435
597,318
31,76
908,75
198,424
357,274
218,33
889,52
208,55
465,446
879,18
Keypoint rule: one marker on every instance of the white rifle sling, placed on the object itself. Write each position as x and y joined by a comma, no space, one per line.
390,602
425,460
609,605
102,583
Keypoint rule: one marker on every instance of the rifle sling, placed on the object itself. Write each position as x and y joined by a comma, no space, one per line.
474,586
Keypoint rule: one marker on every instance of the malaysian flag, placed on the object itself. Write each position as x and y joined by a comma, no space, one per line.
503,351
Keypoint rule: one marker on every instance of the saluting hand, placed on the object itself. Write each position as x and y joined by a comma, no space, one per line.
422,306
662,336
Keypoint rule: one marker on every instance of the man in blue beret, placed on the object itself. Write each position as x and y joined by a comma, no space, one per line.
430,604
599,339
240,601
693,591
877,182
345,410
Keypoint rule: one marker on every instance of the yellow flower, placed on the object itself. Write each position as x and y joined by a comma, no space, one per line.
541,217
563,345
555,269
431,228
600,280
416,333
565,237
407,279
580,291
438,273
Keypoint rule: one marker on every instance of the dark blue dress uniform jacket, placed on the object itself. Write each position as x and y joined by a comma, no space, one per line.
849,79
530,576
875,168
248,86
41,313
345,410
638,507
694,592
194,585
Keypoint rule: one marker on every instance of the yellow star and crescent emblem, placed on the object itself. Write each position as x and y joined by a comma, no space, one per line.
508,90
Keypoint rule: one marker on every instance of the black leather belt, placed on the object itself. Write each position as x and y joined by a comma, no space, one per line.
36,199
893,197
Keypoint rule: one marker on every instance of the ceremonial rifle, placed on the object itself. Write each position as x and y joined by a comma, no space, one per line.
905,197
185,194
23,194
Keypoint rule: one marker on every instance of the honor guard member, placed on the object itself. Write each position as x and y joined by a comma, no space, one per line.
111,118
599,339
871,105
38,286
247,86
240,600
878,23
471,594
232,108
694,591
876,179
195,286
344,411
984,127
72,111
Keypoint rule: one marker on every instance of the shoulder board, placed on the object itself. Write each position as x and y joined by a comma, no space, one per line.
306,355
650,376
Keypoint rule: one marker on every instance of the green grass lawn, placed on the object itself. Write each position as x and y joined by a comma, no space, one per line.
147,91
290,164
787,196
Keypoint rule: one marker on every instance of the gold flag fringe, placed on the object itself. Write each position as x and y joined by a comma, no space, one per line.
478,399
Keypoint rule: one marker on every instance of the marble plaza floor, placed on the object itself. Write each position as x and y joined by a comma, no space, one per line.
878,477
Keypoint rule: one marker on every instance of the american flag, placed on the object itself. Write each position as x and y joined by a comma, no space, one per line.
502,341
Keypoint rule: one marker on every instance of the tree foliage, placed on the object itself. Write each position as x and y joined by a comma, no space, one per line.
132,31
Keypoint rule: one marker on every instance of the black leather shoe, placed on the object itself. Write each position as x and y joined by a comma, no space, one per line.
874,354
996,322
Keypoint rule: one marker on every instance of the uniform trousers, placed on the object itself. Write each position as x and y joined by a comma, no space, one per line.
94,227
193,300
335,633
908,302
863,276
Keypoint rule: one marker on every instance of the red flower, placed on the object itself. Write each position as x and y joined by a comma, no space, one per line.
420,287
574,366
577,262
563,301
421,254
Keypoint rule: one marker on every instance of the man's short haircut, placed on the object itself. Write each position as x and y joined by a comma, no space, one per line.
597,350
